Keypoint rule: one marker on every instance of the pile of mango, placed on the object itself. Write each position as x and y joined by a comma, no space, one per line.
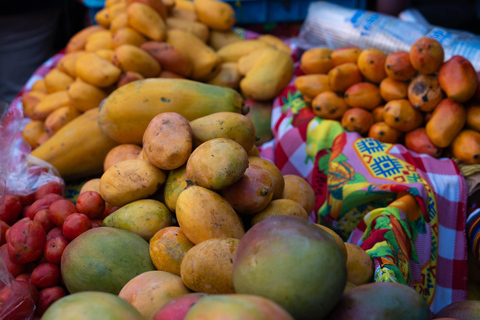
415,98
142,39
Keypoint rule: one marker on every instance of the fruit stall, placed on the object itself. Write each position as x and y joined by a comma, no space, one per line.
170,163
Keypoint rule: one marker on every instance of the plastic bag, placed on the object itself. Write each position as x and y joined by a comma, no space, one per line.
20,173
335,26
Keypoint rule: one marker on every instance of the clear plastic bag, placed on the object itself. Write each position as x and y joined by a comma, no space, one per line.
20,173
335,26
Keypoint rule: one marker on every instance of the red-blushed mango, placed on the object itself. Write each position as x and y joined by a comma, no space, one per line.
426,55
446,122
175,184
151,290
473,117
168,247
252,192
178,307
277,177
169,57
207,267
424,92
357,120
360,266
348,54
236,306
466,146
282,207
120,153
381,300
316,61
398,66
417,140
260,267
392,89
363,95
329,105
203,214
384,133
400,115
458,79
371,63
465,309
299,190
343,76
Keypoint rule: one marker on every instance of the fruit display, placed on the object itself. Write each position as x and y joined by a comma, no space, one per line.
414,98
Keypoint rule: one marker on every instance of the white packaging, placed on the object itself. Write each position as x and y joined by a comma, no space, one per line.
334,26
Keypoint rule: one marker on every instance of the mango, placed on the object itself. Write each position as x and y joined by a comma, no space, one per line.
400,115
260,267
131,58
32,131
473,117
278,179
381,300
384,133
446,122
347,54
329,105
127,35
120,153
99,40
228,76
357,120
169,57
59,118
424,92
316,61
102,18
215,14
175,184
278,207
67,63
393,90
311,85
418,141
30,100
178,307
203,214
219,39
300,191
196,28
119,22
127,77
207,267
275,42
143,217
466,146
246,62
260,114
343,76
159,6
217,163
56,80
363,95
77,41
465,309
50,103
426,55
233,51
85,96
39,85
252,192
360,266
371,63
146,21
377,114
96,70
398,66
230,125
458,79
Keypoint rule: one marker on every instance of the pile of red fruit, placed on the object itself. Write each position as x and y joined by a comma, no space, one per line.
34,231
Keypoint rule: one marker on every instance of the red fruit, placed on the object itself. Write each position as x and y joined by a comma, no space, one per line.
27,199
91,204
43,218
54,249
13,267
76,224
26,240
48,296
49,187
10,208
109,209
60,209
97,223
23,277
45,275
40,204
17,300
3,230
55,232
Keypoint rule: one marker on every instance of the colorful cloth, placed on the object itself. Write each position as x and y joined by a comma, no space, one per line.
355,179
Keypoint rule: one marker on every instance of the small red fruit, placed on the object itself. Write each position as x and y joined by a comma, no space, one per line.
54,249
10,208
45,275
60,209
91,204
49,187
76,224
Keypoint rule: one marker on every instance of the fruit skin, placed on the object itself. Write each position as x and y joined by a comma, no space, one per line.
78,149
473,117
424,92
267,264
447,120
104,259
316,61
178,307
400,115
466,146
280,207
329,105
392,89
175,184
215,14
343,76
458,79
92,306
426,55
371,63
384,133
465,309
25,241
398,66
381,300
152,289
261,116
120,117
236,307
357,119
345,55
363,95
417,140
203,214
360,266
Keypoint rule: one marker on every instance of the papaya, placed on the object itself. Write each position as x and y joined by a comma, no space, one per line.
79,148
269,75
93,306
204,59
104,259
126,112
230,125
